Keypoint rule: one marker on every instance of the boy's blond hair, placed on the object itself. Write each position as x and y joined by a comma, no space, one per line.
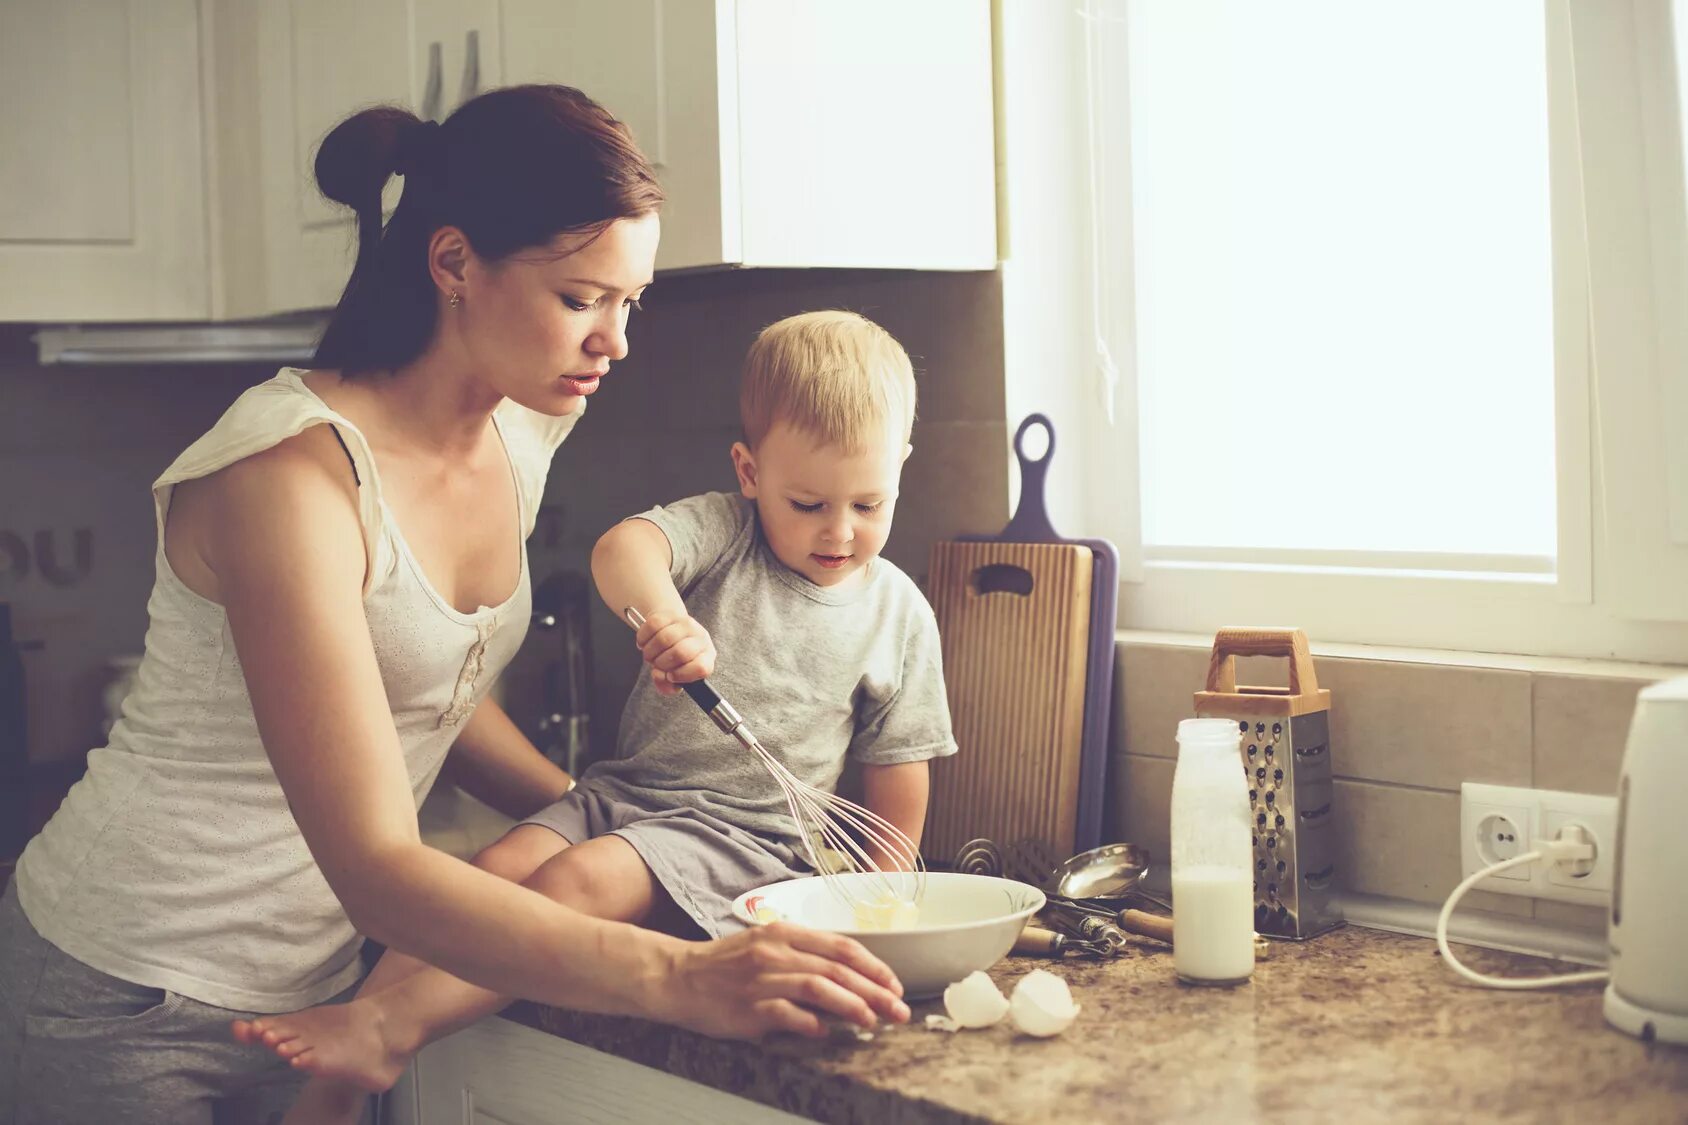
835,375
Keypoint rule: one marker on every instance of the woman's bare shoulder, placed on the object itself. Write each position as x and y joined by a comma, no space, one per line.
300,491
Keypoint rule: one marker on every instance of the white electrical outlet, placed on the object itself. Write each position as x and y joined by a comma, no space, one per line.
1499,821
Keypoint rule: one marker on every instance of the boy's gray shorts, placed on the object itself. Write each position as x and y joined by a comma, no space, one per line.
78,1046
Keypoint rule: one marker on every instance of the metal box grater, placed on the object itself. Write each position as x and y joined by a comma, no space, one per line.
1287,758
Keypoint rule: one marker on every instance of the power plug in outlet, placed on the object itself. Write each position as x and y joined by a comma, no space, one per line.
1498,822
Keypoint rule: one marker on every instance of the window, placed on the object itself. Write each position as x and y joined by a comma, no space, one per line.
1344,281
1385,318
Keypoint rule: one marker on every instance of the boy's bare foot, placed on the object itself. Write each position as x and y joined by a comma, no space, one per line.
344,1043
327,1103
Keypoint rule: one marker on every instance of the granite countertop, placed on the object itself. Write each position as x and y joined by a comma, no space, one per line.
1354,1024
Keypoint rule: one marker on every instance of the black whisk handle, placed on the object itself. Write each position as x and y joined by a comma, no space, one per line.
703,695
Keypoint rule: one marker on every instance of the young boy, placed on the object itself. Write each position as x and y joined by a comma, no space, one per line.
781,598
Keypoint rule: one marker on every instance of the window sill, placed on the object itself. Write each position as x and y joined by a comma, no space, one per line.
1449,658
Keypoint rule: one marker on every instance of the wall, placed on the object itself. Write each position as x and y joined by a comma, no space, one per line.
80,446
1404,735
79,449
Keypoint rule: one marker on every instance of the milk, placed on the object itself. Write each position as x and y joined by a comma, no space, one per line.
1213,924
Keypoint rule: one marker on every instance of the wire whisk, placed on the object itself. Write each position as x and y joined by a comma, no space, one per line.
836,834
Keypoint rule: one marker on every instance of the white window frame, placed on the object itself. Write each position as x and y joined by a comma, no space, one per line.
1620,587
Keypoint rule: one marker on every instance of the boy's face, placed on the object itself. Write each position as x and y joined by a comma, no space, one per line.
826,513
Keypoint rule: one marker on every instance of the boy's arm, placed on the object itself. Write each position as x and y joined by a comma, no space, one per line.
898,793
631,566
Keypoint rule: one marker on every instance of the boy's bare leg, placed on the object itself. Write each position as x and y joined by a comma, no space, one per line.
514,856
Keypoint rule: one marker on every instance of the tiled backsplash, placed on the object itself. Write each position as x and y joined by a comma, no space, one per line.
1403,737
79,449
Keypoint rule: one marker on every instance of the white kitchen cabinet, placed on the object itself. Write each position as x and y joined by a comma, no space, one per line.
847,133
102,191
498,1071
287,72
157,156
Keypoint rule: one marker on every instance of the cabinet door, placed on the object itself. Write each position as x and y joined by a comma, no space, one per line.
498,1072
456,53
318,61
866,134
656,65
102,175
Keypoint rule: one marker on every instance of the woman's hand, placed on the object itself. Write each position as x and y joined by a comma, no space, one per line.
777,977
678,649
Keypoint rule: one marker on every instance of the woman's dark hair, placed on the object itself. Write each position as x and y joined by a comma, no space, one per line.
511,169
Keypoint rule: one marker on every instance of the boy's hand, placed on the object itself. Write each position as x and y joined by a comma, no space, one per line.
678,649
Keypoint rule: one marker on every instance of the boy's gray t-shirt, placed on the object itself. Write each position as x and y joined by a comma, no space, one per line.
819,674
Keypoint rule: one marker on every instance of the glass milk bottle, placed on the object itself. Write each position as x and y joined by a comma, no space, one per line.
1212,882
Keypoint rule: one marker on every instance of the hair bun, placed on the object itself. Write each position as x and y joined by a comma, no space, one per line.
418,148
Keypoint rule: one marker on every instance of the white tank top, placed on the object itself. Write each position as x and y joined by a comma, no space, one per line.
175,862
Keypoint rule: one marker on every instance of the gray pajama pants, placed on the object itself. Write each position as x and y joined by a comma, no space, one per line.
78,1047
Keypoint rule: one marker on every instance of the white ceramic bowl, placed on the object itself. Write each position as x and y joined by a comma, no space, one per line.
966,922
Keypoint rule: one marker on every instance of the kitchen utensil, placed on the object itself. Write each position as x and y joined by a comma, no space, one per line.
1031,524
1100,930
1012,620
1027,622
1286,755
1103,878
1111,871
1086,890
1144,924
966,922
832,830
1648,992
978,857
1030,861
1036,940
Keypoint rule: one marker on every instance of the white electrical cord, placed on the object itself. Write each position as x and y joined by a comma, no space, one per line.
1554,851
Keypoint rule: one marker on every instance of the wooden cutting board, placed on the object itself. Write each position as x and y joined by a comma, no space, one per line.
1014,619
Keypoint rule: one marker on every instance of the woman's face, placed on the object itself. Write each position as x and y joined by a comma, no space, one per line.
543,325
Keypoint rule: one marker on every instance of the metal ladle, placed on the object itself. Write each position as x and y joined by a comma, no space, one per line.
1097,881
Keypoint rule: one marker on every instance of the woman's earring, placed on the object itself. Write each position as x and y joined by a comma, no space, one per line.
456,299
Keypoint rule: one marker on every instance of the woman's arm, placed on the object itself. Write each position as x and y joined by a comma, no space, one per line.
287,554
899,794
493,761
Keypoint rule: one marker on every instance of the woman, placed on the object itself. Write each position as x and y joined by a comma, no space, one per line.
341,575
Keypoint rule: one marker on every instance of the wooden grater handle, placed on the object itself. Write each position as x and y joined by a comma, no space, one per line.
1228,644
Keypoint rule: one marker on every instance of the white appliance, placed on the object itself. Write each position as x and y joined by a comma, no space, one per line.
1648,927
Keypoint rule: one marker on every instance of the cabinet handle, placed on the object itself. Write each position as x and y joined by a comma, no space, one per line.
431,91
471,66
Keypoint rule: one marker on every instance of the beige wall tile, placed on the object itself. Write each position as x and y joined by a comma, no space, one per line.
1581,723
1409,724
1404,843
955,483
1139,811
1428,725
1395,842
688,344
1154,686
1572,916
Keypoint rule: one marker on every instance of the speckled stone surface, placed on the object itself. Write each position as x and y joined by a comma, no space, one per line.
1355,1025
